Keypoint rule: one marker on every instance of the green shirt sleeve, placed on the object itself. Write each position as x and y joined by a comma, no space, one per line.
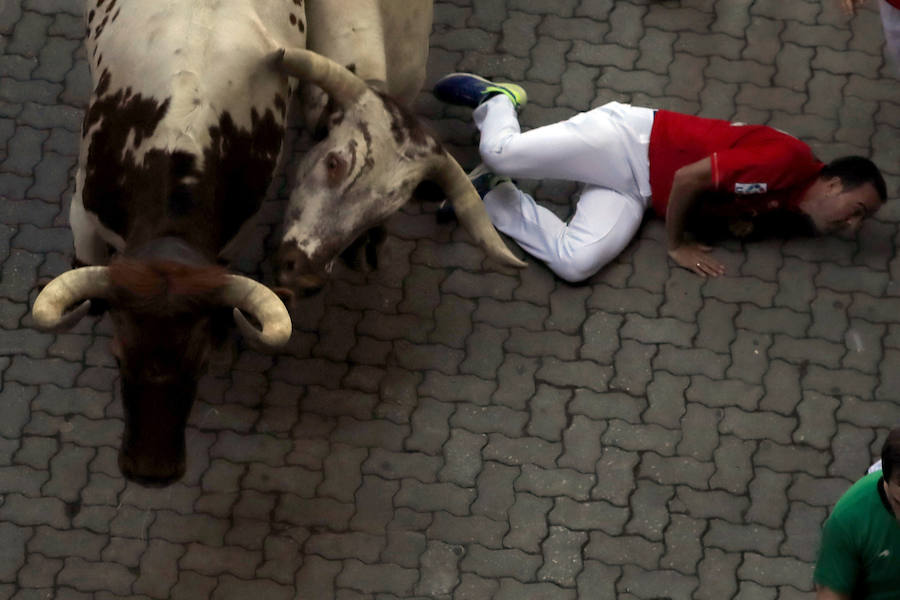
838,564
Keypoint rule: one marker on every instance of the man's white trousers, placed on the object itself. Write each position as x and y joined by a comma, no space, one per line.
605,148
890,19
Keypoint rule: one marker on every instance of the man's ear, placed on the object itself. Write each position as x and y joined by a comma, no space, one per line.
835,185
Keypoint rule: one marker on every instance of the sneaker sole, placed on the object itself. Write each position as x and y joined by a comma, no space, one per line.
478,171
464,74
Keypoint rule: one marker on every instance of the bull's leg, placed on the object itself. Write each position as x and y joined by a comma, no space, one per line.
362,254
90,248
223,345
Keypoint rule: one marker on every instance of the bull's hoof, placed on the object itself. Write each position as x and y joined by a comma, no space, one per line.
99,306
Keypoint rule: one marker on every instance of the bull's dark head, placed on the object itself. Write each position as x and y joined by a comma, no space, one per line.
163,316
375,155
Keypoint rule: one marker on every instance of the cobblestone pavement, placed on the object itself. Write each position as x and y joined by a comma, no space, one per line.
438,429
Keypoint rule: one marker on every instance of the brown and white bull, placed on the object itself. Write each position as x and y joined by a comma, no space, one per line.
376,152
179,143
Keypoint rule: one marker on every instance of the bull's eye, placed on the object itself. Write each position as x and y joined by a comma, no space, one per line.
336,167
334,119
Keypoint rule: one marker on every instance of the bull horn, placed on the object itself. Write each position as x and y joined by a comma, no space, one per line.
339,83
247,295
470,211
66,289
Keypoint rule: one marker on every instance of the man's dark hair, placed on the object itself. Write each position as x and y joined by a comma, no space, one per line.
854,171
890,453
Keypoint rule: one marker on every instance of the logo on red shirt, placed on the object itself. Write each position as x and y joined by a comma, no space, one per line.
745,189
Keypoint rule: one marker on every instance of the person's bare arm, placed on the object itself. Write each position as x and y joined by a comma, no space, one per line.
826,593
689,183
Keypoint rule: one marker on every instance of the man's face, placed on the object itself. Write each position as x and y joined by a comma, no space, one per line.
833,209
892,490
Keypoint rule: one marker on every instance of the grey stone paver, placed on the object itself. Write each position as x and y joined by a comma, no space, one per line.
438,429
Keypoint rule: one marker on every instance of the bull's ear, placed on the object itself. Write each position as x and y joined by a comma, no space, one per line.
469,208
319,111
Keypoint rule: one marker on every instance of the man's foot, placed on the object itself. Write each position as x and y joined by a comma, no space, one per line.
482,180
468,89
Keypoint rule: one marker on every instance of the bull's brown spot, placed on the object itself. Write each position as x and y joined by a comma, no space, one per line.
238,166
90,17
100,27
409,132
109,177
301,26
293,19
404,126
352,151
368,161
102,85
153,196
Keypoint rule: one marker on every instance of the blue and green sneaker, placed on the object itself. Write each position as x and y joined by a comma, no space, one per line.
482,180
468,89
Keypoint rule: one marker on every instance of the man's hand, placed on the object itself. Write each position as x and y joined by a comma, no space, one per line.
696,258
849,6
826,593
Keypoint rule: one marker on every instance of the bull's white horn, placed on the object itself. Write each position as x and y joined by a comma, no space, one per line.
343,86
470,211
65,290
250,296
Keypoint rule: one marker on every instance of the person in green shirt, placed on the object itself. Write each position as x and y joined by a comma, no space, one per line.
860,553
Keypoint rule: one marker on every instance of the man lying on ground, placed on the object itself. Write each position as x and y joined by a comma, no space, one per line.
630,158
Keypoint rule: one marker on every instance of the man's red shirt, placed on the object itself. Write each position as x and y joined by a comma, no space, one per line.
755,169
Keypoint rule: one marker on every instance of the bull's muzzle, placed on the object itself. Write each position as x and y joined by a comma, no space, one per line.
297,273
151,471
